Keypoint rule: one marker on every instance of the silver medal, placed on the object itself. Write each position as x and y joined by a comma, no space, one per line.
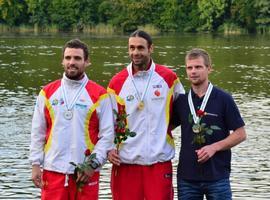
68,114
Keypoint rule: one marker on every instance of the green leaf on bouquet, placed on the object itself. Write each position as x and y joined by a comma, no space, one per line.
209,131
132,134
190,118
214,127
72,163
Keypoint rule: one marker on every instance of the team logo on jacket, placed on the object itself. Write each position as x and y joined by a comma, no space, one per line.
62,101
54,102
130,97
157,93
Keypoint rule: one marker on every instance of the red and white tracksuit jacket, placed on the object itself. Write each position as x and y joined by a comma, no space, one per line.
56,141
153,141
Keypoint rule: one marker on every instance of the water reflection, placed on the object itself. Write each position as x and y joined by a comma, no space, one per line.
241,66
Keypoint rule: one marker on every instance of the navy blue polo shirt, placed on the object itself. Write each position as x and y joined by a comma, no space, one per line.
228,118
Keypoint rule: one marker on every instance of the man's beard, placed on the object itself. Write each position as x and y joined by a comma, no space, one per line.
76,76
141,65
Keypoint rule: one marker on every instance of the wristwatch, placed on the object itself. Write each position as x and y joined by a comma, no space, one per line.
94,164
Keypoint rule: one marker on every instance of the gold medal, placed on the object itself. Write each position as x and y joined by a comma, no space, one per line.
141,105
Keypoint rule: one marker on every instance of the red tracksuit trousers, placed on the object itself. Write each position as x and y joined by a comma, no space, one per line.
58,186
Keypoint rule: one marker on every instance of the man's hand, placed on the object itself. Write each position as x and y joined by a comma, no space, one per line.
37,176
85,175
113,157
205,153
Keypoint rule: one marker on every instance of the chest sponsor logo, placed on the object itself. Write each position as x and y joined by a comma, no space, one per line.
82,100
81,106
157,93
129,97
54,102
157,86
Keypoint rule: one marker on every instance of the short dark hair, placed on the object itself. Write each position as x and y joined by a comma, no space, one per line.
76,44
142,34
196,52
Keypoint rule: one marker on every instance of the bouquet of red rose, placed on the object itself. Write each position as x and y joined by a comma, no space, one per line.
81,167
200,129
122,132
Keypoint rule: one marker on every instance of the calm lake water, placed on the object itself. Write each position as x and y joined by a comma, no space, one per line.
241,66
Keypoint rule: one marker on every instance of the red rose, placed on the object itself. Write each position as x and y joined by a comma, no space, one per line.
200,113
122,131
87,152
121,109
117,129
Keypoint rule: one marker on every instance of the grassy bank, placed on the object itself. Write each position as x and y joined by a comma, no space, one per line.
100,29
104,29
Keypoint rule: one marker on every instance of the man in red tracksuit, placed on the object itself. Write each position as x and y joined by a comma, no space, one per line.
72,115
145,91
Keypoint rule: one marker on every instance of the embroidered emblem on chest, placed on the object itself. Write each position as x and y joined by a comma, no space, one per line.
129,97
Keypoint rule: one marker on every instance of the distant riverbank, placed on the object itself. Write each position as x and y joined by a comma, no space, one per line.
102,29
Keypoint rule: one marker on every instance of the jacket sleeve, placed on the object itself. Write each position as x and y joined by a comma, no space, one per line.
178,89
38,132
106,130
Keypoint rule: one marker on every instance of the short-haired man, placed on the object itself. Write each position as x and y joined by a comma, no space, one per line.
210,126
72,115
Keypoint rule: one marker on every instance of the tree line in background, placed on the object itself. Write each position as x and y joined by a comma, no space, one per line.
252,16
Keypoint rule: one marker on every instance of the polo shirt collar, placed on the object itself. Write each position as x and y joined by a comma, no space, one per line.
195,96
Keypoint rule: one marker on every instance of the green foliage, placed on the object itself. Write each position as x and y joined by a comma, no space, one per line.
62,13
82,167
38,12
263,16
199,139
212,13
128,15
243,13
190,118
133,14
188,18
106,11
201,129
165,14
85,13
13,12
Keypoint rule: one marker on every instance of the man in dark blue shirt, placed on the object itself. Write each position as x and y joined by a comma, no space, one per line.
210,126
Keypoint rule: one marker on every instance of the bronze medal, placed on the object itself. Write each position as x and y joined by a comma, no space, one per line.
196,128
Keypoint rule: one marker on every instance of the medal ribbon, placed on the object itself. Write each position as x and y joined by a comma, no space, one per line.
148,80
76,96
203,105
